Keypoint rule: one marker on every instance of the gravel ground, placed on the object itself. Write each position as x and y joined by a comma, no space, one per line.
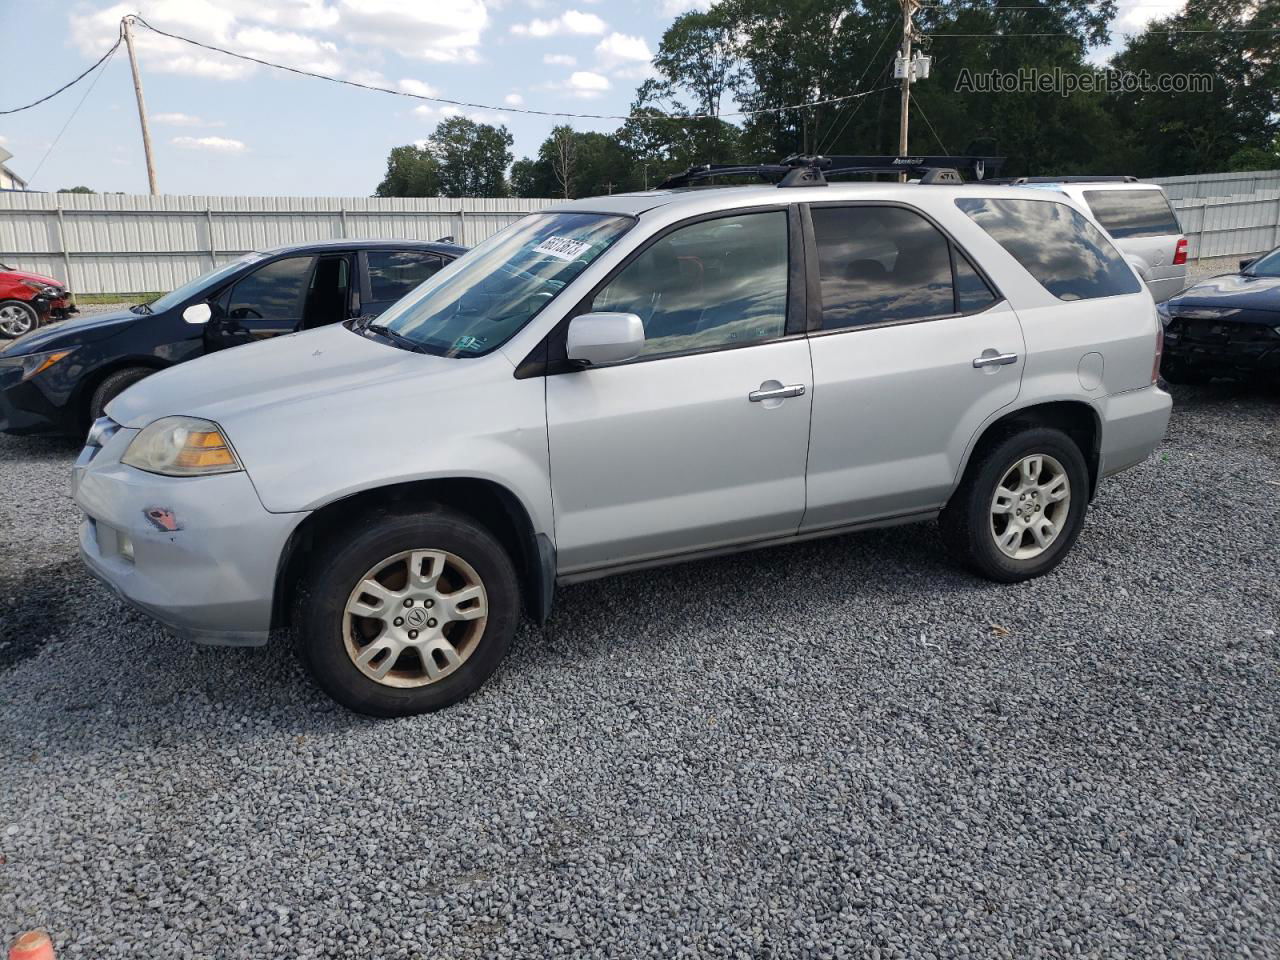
845,748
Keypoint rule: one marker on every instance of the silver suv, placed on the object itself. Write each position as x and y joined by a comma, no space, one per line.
623,382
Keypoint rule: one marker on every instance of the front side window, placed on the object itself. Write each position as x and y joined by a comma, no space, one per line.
1133,213
394,273
481,300
1267,266
1057,245
716,283
206,281
273,292
881,264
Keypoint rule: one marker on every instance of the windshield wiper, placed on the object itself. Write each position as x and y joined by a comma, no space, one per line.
397,338
144,308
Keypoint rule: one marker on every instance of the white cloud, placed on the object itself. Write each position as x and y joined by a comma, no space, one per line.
620,48
513,100
1133,15
409,85
559,59
291,49
570,22
673,8
444,31
584,83
424,110
371,77
184,120
216,144
199,19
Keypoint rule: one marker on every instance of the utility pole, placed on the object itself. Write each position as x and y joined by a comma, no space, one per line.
909,8
142,106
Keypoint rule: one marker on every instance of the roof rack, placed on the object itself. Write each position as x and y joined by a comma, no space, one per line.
1073,179
814,171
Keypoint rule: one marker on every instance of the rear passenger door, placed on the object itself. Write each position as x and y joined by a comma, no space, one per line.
390,274
914,349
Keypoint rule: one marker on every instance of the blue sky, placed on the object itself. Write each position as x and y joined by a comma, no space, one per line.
221,126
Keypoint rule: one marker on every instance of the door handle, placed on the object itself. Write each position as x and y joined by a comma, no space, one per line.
995,360
776,393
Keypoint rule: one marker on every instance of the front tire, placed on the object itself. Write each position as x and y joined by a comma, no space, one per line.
410,614
112,386
17,318
1020,506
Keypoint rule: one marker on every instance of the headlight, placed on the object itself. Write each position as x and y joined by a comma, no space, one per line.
182,447
38,287
33,363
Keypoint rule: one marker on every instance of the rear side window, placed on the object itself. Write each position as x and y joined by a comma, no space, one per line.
393,273
888,265
1056,244
880,264
1133,213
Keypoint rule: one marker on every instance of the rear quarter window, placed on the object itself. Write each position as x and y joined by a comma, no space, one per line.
1057,245
1133,213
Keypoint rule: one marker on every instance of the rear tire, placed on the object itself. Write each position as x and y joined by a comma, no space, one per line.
112,386
364,611
17,318
1020,506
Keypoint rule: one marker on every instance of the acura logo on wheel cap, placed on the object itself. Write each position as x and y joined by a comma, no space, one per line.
416,617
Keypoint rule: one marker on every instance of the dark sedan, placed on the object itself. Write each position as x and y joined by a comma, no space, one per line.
57,380
1227,326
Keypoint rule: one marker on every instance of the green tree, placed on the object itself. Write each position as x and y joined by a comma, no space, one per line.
472,158
75,190
572,163
412,171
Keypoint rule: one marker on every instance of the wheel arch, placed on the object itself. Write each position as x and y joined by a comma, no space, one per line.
1076,418
83,392
490,504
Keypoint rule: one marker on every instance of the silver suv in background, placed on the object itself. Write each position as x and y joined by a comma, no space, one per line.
1140,221
623,382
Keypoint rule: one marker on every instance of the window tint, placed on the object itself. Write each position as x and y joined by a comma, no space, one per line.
972,293
1133,213
1057,246
715,283
393,273
272,293
878,264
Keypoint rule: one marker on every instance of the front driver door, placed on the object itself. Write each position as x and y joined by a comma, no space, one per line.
700,441
266,303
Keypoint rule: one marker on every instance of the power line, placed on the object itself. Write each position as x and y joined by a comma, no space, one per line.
830,140
1016,36
88,91
66,86
503,109
925,118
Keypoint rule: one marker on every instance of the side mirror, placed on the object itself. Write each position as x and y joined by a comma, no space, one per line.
197,313
1246,264
596,338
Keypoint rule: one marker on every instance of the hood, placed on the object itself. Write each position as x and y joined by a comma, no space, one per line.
1231,291
73,332
272,381
37,277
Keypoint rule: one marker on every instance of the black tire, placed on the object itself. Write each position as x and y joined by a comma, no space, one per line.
339,564
112,386
20,318
966,521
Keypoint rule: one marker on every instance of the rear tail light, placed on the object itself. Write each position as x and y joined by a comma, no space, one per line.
1180,254
1155,366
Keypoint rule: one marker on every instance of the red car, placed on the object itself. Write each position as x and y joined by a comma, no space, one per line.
28,300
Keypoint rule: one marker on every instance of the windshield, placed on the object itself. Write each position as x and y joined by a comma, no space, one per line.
486,296
1268,266
192,287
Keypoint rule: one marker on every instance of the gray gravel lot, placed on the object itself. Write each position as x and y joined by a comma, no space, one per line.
844,748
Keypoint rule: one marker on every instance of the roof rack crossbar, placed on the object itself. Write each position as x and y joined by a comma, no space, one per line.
813,171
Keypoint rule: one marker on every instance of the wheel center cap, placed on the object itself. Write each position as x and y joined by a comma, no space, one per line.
416,617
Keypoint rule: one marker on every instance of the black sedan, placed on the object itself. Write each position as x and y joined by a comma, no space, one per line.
1227,326
57,380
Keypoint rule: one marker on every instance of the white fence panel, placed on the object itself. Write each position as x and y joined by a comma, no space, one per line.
1205,185
116,243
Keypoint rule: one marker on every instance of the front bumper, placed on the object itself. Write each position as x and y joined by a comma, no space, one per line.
206,568
25,408
1133,424
1222,347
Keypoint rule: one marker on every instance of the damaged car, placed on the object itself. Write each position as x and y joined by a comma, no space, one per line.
30,300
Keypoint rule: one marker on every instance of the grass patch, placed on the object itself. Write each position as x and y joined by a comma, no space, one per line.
95,298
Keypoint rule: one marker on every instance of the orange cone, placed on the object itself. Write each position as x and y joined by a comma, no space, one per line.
32,945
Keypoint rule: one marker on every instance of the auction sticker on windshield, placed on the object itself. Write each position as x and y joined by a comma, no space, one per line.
562,248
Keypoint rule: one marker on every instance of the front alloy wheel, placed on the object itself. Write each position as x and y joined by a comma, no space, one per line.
403,613
17,318
414,618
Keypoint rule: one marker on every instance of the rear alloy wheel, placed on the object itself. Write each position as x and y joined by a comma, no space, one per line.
1020,506
411,613
17,318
